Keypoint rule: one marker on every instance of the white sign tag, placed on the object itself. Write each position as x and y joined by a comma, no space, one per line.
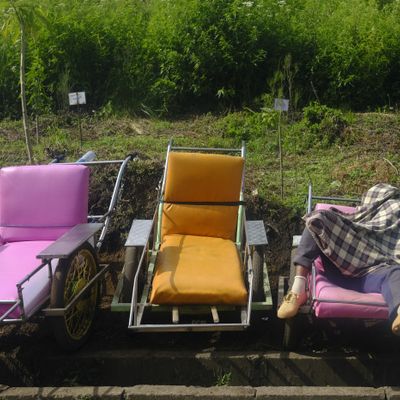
76,98
281,105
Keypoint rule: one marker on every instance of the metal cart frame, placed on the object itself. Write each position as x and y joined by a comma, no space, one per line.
307,310
146,235
64,247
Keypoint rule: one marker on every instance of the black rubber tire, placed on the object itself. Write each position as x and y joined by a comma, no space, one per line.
258,274
62,292
132,257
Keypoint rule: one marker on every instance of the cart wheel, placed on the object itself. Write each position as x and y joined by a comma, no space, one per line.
132,257
258,274
71,276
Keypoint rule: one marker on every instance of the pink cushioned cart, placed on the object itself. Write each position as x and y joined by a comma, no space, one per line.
327,300
49,245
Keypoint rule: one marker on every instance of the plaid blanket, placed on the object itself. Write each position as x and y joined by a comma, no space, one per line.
365,240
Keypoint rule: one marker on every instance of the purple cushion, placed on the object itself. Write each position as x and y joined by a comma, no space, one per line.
16,261
338,296
42,202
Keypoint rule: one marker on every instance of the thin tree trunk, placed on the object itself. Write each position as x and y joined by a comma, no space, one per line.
23,95
37,128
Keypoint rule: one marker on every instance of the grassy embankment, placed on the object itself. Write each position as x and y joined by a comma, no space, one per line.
364,152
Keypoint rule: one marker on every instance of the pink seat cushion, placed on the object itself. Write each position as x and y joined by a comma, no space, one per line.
17,260
325,206
42,202
337,307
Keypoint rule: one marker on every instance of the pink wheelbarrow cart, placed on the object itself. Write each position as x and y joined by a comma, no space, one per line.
48,249
328,300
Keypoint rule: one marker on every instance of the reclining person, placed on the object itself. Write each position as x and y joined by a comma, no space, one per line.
359,251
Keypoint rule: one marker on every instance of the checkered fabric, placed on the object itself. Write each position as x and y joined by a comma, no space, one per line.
365,240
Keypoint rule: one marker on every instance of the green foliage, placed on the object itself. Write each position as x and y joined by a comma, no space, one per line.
207,51
170,56
246,125
357,51
324,122
320,126
223,378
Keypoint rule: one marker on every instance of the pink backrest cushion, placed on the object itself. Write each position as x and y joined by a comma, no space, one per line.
42,202
325,206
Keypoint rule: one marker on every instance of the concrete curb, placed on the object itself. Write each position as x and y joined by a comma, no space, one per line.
167,392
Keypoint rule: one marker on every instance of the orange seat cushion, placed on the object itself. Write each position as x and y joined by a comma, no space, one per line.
202,178
198,270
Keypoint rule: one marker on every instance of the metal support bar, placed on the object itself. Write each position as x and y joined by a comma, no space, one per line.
361,303
221,149
250,286
241,209
214,313
9,311
100,162
175,315
113,201
243,315
190,327
344,199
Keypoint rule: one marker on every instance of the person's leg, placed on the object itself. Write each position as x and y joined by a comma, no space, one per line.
387,282
300,279
306,253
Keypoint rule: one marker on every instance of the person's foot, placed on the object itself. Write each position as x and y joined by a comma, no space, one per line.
396,326
291,304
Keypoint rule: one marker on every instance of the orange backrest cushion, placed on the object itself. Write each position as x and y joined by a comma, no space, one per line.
197,177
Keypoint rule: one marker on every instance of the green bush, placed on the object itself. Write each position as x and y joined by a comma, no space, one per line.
356,51
320,126
244,125
175,56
